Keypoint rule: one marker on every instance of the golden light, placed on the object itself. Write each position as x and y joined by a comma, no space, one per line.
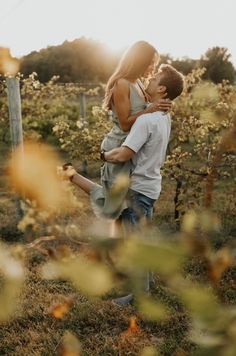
33,175
8,65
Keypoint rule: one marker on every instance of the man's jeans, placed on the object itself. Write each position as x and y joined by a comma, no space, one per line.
139,206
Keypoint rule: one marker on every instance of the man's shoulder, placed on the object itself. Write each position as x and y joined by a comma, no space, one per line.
150,117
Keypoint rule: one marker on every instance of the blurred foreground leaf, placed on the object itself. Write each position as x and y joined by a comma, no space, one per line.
151,309
165,258
8,64
201,301
70,345
33,175
219,263
12,273
91,278
205,339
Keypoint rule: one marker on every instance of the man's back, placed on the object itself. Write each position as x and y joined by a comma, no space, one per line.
149,138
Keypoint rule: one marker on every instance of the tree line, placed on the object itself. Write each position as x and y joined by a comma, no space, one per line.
86,60
81,60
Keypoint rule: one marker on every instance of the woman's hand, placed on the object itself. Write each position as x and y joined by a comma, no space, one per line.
160,105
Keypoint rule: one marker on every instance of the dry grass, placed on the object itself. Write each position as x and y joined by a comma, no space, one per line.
98,324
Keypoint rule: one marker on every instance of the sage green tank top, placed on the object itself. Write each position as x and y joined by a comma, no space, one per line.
117,136
103,205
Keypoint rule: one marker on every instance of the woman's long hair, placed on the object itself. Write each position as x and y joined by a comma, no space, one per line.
132,65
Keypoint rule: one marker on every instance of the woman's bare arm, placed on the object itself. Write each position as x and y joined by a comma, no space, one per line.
122,103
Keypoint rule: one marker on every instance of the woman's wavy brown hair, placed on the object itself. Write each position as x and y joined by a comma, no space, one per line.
132,65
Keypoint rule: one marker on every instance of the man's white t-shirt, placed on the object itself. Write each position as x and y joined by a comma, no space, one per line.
148,137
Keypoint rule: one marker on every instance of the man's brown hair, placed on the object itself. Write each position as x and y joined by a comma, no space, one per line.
172,80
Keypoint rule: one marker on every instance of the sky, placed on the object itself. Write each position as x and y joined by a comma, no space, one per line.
178,27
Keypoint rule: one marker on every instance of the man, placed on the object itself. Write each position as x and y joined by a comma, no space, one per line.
146,145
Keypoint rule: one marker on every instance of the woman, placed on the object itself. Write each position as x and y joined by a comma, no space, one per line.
126,97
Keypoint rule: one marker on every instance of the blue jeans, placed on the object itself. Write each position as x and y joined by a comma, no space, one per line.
139,206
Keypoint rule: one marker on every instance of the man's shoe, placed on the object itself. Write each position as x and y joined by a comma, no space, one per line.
122,301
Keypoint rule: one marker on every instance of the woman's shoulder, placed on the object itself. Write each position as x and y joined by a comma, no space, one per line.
121,88
122,83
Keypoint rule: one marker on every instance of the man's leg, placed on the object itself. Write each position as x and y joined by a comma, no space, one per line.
140,207
143,206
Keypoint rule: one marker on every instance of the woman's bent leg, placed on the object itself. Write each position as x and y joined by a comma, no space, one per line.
84,183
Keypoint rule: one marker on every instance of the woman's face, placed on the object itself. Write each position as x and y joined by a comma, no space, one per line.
152,66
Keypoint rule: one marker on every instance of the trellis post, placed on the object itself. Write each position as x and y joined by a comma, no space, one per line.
14,105
82,105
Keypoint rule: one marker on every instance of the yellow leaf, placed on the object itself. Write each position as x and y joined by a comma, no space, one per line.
70,345
132,329
59,310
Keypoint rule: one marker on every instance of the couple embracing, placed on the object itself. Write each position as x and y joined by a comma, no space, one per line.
137,143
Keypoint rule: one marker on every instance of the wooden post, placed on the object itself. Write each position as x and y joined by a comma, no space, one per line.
82,104
14,105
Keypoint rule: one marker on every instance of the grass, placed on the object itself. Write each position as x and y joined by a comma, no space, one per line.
98,324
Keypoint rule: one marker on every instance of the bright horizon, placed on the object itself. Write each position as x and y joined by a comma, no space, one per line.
180,28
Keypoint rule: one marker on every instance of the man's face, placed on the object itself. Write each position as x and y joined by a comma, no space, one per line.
153,84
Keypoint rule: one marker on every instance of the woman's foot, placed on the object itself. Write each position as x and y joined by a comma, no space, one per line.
66,171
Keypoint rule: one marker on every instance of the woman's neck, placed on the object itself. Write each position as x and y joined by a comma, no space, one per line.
132,80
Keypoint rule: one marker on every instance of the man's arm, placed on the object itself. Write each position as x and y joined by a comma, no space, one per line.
118,155
134,141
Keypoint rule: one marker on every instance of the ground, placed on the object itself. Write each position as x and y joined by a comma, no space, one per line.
101,327
98,324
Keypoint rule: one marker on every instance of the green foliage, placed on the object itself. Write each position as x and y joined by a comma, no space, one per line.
46,107
4,126
218,66
184,65
200,118
216,62
43,104
82,139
